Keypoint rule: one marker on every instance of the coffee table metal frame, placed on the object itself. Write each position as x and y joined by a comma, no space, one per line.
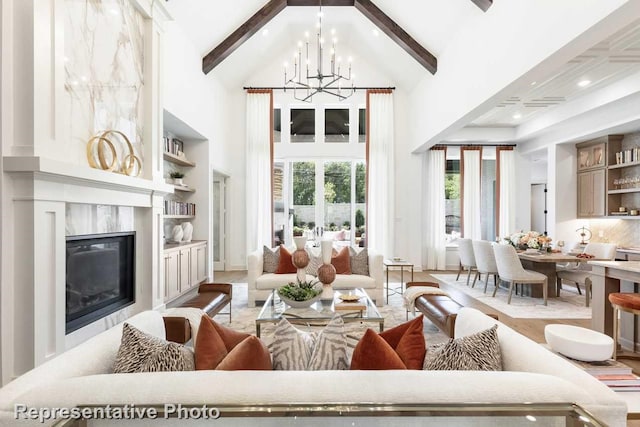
320,312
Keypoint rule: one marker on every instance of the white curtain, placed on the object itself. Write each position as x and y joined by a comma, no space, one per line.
434,251
380,193
259,167
472,228
507,214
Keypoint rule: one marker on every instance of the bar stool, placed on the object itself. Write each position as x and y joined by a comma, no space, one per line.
629,303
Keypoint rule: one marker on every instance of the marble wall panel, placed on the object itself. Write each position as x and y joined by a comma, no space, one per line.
94,219
104,57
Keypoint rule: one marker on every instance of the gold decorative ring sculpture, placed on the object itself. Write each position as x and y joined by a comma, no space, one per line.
130,164
101,157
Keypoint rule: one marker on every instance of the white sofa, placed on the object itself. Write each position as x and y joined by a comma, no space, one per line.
261,284
81,377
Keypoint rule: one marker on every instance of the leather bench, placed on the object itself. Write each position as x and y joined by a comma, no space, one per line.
211,298
441,310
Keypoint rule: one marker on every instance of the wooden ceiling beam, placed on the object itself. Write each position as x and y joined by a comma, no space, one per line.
366,7
317,2
398,35
483,4
242,34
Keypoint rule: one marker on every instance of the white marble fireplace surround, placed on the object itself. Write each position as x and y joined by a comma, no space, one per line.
44,168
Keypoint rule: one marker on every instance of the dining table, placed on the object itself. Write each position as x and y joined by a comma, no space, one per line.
545,263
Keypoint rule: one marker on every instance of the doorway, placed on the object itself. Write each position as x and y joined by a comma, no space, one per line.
219,221
539,208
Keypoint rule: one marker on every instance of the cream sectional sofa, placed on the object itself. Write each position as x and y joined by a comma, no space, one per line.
82,376
261,284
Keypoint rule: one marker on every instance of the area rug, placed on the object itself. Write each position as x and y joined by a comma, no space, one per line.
569,305
243,319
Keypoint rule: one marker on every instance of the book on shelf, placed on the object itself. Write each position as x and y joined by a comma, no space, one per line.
624,380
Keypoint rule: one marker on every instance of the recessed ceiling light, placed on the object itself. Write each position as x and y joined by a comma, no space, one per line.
584,83
517,116
534,83
265,32
375,32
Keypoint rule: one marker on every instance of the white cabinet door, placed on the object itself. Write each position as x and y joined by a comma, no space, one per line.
198,264
185,269
171,275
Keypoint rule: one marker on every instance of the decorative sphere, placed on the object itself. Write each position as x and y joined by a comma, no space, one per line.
300,258
326,273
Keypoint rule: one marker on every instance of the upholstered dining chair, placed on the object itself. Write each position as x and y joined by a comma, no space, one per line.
510,270
467,260
486,262
580,273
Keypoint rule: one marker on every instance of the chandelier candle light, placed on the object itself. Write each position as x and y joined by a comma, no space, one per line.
325,82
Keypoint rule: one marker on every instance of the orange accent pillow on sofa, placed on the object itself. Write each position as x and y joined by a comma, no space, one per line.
222,348
342,261
402,347
285,264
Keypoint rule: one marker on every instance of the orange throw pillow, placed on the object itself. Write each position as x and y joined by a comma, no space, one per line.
341,261
250,354
373,353
285,264
213,343
404,343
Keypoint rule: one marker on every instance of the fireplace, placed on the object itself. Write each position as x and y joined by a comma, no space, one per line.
100,276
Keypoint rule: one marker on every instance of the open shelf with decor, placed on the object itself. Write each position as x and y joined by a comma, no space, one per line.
186,211
623,177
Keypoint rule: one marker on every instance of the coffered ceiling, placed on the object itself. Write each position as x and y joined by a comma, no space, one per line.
601,65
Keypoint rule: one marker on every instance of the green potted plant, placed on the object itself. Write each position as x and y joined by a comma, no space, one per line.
297,231
177,177
300,294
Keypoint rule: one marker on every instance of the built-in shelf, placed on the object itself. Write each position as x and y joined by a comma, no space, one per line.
624,191
623,165
184,189
177,160
179,217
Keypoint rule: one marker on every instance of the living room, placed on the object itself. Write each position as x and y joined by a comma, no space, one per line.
64,83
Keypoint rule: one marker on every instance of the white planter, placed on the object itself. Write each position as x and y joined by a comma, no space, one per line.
177,181
300,241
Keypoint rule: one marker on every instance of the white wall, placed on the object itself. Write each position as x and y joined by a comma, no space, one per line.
202,103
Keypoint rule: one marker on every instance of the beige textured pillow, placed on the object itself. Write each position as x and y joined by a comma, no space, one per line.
140,352
270,259
359,261
477,352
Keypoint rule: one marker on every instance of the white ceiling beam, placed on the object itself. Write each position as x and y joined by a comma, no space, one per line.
479,134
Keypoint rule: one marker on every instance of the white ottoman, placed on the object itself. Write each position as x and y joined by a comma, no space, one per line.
579,343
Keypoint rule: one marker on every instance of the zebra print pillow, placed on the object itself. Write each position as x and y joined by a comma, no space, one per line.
477,352
293,349
140,352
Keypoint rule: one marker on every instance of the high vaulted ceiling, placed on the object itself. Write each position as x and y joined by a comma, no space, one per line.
432,23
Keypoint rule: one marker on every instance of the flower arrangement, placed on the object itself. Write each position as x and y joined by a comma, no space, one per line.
528,240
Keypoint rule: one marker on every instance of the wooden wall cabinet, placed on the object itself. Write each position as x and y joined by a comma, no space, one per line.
591,193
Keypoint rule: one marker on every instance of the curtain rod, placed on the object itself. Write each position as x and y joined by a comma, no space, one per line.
329,88
475,145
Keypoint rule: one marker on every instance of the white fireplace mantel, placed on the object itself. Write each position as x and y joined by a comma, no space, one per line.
88,179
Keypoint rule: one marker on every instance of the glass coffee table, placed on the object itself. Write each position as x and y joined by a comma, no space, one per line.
321,312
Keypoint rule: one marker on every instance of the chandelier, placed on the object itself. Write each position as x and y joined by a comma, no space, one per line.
304,87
